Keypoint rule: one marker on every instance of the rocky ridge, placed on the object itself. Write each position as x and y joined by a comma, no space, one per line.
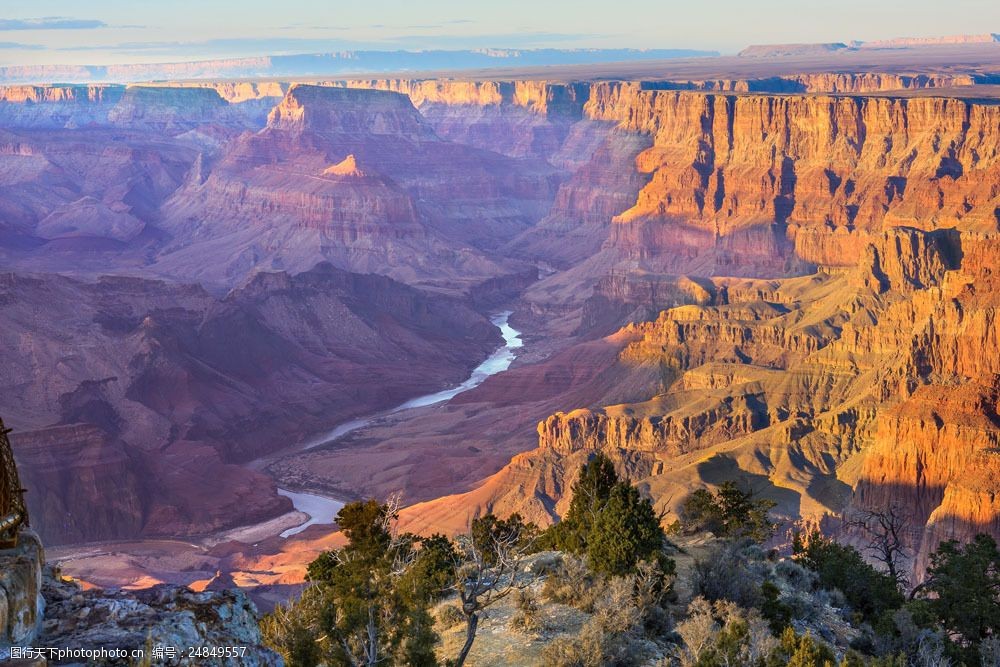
165,462
849,390
807,274
172,620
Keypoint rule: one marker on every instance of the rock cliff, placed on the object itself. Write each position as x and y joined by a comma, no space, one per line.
142,434
843,390
169,619
417,205
758,169
21,601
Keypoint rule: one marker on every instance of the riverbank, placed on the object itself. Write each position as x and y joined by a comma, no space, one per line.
267,557
321,509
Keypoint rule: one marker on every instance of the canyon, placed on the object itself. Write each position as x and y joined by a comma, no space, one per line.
780,274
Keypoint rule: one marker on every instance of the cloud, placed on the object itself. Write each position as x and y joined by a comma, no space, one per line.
309,26
51,23
24,47
421,26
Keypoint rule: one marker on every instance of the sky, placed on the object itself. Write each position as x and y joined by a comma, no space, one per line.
130,31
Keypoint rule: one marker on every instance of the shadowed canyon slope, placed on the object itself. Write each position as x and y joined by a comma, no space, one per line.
785,278
162,389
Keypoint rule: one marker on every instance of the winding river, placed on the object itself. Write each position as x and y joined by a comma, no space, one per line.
320,509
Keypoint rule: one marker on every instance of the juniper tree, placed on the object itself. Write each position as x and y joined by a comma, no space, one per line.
368,602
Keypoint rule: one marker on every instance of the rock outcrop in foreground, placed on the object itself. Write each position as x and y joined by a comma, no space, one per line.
21,601
185,625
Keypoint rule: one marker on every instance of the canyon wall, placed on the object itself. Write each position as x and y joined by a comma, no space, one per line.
164,391
839,392
807,276
360,179
760,169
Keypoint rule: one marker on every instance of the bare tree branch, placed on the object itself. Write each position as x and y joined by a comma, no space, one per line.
489,572
886,533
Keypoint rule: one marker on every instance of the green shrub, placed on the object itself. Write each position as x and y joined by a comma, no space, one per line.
964,584
778,614
732,571
730,512
572,584
625,532
869,592
609,522
800,651
377,588
721,634
450,615
289,630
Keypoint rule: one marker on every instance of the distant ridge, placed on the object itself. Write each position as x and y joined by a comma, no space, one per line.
784,50
777,50
985,38
333,64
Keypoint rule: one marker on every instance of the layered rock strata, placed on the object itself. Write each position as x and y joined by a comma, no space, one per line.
142,433
833,393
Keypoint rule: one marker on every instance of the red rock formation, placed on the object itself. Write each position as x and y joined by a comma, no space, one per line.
752,185
414,209
95,182
934,457
826,82
852,389
139,434
84,485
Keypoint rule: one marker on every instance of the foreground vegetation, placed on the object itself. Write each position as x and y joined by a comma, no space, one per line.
386,598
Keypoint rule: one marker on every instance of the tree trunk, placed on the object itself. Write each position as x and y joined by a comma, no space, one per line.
472,622
372,648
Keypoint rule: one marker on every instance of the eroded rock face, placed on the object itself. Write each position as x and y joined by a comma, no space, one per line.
143,435
166,108
21,602
833,82
173,618
846,390
415,207
735,166
57,106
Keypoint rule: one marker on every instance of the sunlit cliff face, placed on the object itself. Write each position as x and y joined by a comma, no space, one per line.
787,283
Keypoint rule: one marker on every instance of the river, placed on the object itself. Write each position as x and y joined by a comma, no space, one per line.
321,510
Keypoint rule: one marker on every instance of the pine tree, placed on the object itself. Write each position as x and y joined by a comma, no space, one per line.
868,591
964,586
729,512
590,493
368,602
625,531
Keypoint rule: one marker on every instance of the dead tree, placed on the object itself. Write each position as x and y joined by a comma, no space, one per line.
13,513
489,570
885,531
